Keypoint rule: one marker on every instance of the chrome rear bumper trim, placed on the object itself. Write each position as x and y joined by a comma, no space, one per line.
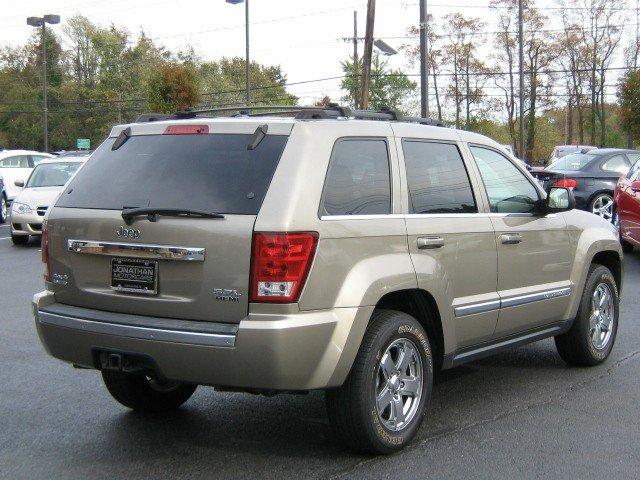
137,250
144,333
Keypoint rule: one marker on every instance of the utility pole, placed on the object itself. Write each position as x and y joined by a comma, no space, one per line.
424,60
356,66
521,55
41,22
247,95
368,51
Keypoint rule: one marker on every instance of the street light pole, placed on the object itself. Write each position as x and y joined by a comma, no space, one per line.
424,60
42,24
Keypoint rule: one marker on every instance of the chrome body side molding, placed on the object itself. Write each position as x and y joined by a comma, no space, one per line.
515,301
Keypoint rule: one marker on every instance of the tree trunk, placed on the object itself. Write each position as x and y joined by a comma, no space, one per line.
435,88
568,122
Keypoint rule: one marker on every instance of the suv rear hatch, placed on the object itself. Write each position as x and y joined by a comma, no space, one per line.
170,265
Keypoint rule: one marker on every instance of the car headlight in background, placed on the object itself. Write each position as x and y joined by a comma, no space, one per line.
20,208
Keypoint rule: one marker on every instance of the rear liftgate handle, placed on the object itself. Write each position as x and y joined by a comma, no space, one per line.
426,243
510,238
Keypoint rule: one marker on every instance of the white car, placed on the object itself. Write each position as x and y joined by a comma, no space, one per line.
40,191
16,166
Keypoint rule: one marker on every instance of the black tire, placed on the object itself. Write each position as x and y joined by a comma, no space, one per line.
145,395
4,209
352,407
575,346
19,240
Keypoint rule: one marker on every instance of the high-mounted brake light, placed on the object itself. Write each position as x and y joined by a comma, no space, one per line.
280,263
45,244
186,130
565,183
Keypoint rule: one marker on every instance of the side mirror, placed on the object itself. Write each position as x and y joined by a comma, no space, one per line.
559,199
635,186
19,183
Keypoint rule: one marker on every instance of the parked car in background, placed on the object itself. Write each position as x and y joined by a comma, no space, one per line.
592,176
563,150
72,153
3,202
40,191
16,166
626,214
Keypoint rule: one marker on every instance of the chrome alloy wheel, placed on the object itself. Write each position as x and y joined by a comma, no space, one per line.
603,207
399,384
602,315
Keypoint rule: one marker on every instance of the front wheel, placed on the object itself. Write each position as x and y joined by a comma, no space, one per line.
381,405
144,394
593,333
602,205
19,240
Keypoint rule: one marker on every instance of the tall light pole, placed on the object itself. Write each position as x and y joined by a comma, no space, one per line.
521,55
41,22
424,60
247,94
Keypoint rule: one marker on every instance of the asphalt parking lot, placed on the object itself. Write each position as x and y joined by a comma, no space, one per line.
521,414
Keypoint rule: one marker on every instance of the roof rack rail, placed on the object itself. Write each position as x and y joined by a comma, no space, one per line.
331,111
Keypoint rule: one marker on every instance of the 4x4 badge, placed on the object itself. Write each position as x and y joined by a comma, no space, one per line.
122,231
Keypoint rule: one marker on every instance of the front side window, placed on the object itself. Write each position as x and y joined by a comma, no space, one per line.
616,164
437,179
508,189
358,180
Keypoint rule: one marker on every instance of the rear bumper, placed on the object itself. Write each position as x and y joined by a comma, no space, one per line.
300,351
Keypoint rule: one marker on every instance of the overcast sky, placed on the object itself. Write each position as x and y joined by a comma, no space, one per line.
303,36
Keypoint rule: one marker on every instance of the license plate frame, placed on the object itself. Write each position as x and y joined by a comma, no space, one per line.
140,275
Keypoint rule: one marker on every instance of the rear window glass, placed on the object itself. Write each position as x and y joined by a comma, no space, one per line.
575,161
213,173
357,182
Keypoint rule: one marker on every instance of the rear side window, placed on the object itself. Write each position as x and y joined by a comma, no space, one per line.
358,180
437,179
617,164
18,161
213,173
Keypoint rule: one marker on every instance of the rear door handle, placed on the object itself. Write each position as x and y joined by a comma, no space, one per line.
425,243
510,238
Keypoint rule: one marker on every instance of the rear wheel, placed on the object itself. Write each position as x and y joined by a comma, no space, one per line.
144,394
602,205
593,333
381,405
19,239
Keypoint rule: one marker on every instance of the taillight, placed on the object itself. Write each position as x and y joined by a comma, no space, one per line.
565,183
280,263
186,130
45,251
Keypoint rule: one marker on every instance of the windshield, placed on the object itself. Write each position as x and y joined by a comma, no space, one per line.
575,161
211,173
52,174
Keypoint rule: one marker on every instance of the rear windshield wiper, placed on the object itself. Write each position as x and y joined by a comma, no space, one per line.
129,214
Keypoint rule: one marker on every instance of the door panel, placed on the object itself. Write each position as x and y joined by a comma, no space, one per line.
452,246
533,274
534,253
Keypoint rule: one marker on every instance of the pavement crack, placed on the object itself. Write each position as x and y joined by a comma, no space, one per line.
499,416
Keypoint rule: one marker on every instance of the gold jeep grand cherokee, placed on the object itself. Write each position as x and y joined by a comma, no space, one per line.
354,252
